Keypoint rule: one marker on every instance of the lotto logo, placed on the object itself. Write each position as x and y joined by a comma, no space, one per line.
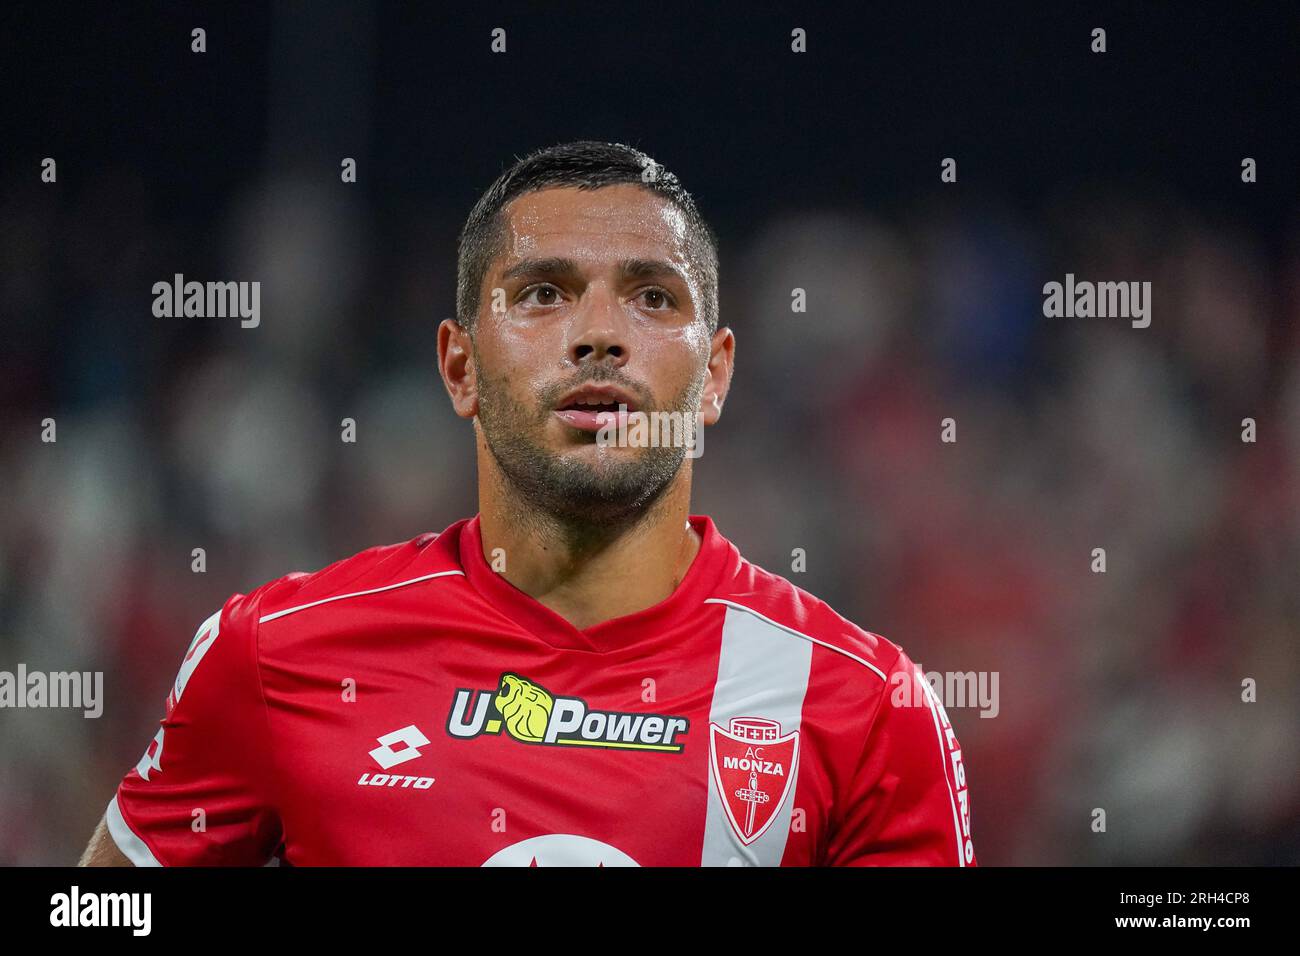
394,780
411,740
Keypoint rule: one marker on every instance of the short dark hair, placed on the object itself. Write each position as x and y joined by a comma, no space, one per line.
586,164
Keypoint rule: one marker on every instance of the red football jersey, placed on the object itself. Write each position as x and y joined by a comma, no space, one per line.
409,706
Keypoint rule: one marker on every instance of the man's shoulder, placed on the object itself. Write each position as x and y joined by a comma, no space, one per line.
769,597
373,571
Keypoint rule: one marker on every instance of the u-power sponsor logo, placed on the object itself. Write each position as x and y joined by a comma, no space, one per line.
529,713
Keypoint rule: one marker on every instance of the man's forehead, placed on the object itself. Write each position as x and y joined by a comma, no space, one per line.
612,221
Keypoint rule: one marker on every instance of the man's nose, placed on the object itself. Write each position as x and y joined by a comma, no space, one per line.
600,329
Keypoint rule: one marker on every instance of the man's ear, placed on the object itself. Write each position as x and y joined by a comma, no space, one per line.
456,364
722,356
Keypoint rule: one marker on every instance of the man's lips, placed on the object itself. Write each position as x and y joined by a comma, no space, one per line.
591,421
593,407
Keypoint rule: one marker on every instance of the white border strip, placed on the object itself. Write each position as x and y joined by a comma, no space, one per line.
340,597
790,630
132,847
931,701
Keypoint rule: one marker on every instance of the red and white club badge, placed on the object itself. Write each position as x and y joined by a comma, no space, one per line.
753,768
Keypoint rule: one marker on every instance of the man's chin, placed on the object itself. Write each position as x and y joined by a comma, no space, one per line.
572,476
604,460
603,484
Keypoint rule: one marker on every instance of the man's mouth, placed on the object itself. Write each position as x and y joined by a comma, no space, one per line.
593,407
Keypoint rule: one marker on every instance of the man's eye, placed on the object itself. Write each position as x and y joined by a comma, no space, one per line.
657,298
546,294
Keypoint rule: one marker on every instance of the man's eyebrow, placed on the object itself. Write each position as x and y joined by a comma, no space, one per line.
557,266
650,269
561,267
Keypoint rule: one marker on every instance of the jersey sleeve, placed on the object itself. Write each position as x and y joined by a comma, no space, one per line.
908,803
201,795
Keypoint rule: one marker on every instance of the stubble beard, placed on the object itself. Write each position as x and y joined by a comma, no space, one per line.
563,489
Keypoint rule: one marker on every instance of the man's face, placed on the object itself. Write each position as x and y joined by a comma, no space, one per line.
593,303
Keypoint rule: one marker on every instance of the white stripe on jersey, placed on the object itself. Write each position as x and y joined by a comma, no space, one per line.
790,630
132,847
340,597
761,673
934,701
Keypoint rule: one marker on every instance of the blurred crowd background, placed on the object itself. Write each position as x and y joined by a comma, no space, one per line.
1119,691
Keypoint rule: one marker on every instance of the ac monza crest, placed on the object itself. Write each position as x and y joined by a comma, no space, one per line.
753,768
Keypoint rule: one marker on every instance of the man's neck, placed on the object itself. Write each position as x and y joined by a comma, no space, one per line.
593,573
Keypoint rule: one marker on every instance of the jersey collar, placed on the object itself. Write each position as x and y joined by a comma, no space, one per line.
716,554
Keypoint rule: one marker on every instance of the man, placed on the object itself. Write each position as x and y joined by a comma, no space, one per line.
584,673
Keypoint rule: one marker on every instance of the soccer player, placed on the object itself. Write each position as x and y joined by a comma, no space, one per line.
584,673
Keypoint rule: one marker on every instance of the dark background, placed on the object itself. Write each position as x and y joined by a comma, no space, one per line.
1120,691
